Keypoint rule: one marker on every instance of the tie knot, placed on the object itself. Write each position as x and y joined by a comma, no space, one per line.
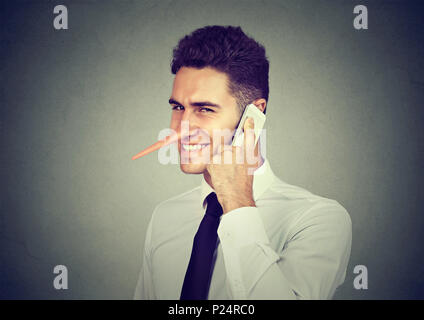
214,207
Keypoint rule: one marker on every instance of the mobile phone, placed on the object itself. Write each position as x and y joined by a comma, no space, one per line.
251,111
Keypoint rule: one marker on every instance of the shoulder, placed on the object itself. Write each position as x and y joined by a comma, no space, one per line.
309,208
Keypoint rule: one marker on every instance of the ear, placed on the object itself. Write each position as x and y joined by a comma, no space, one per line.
260,104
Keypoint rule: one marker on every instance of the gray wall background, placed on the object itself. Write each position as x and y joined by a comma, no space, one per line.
344,121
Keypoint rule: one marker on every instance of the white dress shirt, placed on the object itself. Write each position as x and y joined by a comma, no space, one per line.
292,245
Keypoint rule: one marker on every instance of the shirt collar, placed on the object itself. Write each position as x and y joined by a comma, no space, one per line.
262,179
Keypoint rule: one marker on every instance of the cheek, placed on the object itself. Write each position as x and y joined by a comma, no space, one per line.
175,121
223,136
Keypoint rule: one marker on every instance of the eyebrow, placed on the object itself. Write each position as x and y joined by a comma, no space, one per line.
197,104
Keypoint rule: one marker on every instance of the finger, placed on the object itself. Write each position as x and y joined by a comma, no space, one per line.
251,149
228,155
249,134
224,155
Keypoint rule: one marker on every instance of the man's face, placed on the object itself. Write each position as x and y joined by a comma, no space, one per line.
201,97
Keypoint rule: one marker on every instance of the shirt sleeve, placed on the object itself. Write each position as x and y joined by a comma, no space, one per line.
309,265
144,289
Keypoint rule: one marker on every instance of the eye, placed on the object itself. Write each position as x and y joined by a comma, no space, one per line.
206,110
176,108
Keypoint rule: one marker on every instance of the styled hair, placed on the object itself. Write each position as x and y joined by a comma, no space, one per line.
229,50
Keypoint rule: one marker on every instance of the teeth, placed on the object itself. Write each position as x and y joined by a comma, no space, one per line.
193,147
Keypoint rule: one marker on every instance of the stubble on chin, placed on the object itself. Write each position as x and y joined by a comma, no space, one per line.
192,168
196,166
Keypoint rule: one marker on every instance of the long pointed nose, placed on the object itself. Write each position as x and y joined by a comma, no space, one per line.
157,145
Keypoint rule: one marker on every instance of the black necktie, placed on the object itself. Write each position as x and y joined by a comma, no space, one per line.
199,270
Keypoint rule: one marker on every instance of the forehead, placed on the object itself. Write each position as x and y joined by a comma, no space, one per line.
200,83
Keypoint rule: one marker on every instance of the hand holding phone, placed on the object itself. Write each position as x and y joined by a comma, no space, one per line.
251,111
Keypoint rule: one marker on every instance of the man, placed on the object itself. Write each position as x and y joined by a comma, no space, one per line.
270,240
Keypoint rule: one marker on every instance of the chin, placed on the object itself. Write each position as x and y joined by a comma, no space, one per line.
192,168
